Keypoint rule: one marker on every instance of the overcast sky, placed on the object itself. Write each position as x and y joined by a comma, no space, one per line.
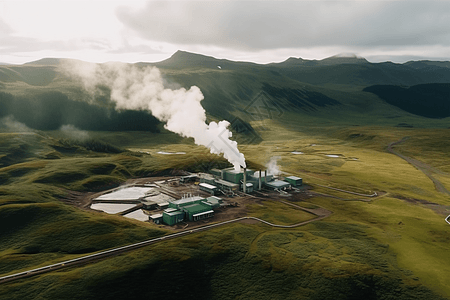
258,31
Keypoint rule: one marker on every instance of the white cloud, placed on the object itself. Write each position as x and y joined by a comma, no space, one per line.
259,31
252,25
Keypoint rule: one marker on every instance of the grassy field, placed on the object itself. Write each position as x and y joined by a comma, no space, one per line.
278,213
327,260
388,248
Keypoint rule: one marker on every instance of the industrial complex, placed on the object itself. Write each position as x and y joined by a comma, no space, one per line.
177,203
226,182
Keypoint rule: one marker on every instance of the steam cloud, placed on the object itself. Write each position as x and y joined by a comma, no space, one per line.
272,166
10,124
134,88
72,132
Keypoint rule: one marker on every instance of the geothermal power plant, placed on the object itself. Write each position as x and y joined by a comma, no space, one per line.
227,182
192,197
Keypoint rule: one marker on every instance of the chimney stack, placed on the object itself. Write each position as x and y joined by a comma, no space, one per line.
245,180
259,185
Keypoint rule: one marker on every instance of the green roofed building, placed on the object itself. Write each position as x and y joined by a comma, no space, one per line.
216,172
233,176
188,209
195,212
294,180
173,216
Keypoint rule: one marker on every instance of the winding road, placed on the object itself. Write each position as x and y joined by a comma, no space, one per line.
421,166
425,168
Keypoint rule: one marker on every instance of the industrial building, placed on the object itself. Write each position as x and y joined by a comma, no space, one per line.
172,216
248,180
147,204
195,212
188,178
249,187
227,186
226,181
155,199
157,218
209,188
278,184
294,180
229,181
188,209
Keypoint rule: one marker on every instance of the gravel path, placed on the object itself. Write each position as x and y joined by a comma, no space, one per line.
421,166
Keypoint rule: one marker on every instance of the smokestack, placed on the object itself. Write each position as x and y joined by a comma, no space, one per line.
259,180
245,180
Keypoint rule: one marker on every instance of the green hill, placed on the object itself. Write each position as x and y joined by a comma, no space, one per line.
427,100
230,88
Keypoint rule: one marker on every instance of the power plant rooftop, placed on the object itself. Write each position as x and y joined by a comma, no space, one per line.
187,200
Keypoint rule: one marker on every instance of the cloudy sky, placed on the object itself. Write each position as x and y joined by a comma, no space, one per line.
258,31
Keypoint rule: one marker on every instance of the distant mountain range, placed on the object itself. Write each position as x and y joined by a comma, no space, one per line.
339,88
332,70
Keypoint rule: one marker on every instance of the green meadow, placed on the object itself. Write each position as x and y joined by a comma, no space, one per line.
387,247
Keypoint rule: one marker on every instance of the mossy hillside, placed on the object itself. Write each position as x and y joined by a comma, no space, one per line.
278,213
320,261
37,228
37,234
415,234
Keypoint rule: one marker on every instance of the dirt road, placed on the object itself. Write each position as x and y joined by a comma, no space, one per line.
421,166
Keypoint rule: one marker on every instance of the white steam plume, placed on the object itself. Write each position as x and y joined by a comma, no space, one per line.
72,132
272,166
136,88
11,125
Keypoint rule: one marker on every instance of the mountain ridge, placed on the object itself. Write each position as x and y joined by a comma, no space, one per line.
185,55
330,88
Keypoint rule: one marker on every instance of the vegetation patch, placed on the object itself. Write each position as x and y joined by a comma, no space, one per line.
278,213
427,100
